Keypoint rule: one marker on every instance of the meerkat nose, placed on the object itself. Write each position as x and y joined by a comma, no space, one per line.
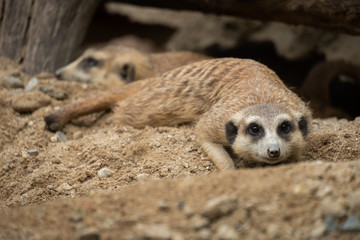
273,152
58,74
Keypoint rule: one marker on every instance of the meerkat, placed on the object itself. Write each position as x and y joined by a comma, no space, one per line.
239,107
116,65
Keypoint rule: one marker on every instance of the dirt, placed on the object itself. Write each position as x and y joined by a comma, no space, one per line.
161,184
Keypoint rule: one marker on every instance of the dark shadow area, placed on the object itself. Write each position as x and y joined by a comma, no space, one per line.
345,94
293,73
105,27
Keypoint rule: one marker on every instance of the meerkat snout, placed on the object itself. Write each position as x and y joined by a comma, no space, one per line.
266,133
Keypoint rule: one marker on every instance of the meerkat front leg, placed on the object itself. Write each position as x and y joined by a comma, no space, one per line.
218,155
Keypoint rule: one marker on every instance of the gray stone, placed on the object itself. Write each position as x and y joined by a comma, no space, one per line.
12,82
330,224
105,172
31,84
352,224
54,93
33,152
61,136
219,206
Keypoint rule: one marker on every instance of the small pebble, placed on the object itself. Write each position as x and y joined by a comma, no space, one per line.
199,222
61,136
105,172
33,152
352,224
54,138
332,207
203,234
163,205
354,201
318,231
88,234
330,224
54,93
156,231
77,135
226,232
12,82
142,176
31,84
219,206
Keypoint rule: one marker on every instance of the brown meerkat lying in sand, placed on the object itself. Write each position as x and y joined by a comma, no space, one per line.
115,65
238,105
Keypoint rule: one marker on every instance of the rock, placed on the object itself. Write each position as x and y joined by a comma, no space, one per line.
88,234
318,231
61,136
354,201
29,101
332,207
226,232
105,172
199,222
64,188
54,138
156,231
203,234
77,135
31,84
54,93
33,152
163,205
142,176
219,206
24,199
352,224
330,224
12,82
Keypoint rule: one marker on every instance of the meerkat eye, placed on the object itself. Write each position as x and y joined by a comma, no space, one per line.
90,62
254,129
285,127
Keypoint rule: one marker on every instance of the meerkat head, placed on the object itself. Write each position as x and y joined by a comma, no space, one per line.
267,133
108,65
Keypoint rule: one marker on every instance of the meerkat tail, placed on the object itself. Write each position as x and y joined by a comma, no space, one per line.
97,103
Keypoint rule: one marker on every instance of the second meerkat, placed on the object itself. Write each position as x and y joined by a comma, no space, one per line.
237,104
116,65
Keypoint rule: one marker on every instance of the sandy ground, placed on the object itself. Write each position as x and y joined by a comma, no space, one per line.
159,184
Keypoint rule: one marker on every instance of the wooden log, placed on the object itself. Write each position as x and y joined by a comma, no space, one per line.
336,15
15,15
56,30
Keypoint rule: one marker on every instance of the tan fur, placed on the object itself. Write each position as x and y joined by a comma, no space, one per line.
112,58
211,93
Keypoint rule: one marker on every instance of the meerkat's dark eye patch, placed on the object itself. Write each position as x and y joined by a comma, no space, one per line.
284,129
231,132
127,72
255,130
303,126
89,62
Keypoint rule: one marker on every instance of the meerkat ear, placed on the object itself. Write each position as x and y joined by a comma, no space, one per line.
231,131
303,126
127,72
